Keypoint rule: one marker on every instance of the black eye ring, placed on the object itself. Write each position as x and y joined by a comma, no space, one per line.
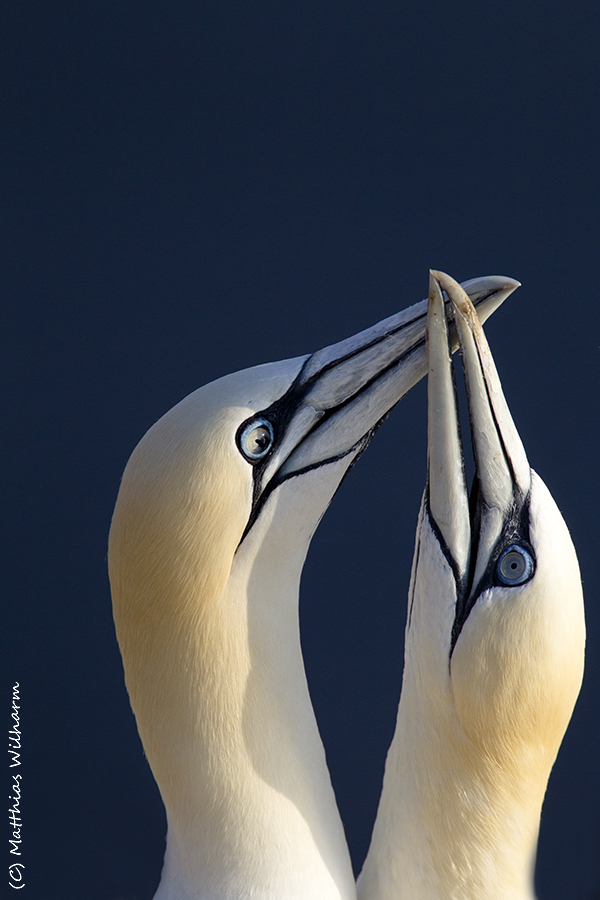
255,439
515,566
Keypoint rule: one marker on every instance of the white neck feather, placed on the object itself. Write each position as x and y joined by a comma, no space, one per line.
450,825
211,650
253,812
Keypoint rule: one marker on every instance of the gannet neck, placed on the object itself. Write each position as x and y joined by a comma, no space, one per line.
214,669
474,743
269,825
493,653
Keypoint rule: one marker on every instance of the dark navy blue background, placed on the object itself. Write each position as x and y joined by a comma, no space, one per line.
192,188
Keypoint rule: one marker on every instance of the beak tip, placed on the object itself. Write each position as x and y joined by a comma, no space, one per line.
435,293
457,295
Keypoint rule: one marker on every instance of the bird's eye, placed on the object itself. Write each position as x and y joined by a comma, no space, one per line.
256,439
515,566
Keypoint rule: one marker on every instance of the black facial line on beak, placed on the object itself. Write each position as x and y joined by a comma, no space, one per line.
505,452
515,528
281,412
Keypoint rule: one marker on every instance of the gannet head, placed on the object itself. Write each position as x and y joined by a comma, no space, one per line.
494,640
508,573
211,528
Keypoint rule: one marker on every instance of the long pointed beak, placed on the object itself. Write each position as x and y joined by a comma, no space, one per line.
447,488
502,470
344,391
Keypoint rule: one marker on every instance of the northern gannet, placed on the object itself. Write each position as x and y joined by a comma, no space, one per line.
215,513
493,651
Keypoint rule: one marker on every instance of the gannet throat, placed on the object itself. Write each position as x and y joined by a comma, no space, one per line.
493,650
215,513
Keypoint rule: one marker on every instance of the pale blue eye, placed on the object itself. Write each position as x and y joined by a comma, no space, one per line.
515,566
256,439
